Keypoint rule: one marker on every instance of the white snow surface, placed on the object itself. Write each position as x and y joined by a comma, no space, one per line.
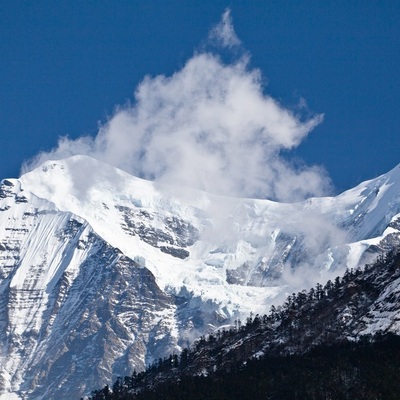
232,231
95,195
222,257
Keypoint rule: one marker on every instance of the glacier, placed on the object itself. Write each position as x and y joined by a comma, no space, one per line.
102,272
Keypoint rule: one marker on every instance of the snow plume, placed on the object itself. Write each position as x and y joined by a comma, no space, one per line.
209,126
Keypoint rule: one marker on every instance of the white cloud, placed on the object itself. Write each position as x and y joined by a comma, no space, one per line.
209,126
223,33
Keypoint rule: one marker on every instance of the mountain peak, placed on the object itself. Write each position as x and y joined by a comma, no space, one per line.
74,232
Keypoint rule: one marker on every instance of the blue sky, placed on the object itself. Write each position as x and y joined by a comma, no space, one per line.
65,66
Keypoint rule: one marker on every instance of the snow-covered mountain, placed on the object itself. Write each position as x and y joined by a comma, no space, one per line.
102,272
305,348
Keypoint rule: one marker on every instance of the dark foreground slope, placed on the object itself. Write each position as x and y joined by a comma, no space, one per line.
332,342
362,370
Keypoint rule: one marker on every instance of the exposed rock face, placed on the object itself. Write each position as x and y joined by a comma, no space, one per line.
173,232
101,273
73,305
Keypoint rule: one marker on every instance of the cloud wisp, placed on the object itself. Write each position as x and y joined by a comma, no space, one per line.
209,126
224,34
